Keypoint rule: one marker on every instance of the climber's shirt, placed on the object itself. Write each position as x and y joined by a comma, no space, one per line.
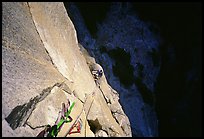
97,74
97,71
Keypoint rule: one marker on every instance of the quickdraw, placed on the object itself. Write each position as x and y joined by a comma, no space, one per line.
65,114
56,128
62,118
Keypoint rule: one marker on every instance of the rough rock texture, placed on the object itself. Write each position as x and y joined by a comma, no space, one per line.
100,115
60,40
42,66
51,104
7,131
128,51
26,67
111,98
101,133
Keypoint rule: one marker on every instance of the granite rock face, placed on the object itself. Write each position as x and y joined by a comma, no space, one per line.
42,66
26,66
128,50
60,40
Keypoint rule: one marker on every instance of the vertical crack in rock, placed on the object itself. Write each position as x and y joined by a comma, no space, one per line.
51,59
39,34
106,99
21,113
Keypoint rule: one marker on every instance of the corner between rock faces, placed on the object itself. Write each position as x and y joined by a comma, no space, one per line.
53,101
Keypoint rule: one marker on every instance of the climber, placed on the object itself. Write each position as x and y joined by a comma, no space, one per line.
97,72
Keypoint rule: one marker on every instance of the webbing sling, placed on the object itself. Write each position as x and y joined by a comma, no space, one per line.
78,125
74,123
69,130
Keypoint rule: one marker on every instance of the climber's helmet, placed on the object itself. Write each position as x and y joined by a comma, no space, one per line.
100,73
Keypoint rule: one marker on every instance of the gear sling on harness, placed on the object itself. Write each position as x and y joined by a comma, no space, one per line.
56,128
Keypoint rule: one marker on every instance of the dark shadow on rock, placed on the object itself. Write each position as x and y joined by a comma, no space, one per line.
94,125
122,68
21,113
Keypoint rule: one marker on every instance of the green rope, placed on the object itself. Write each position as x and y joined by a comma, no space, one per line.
70,109
60,123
